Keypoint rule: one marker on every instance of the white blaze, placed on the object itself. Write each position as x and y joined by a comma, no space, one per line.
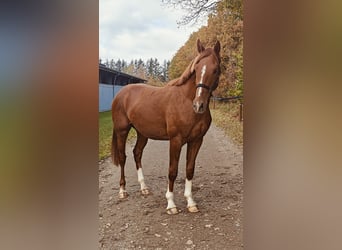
204,68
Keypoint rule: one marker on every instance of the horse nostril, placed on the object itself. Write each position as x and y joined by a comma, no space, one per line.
198,107
201,107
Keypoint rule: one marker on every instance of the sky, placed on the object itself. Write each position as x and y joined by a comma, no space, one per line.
133,29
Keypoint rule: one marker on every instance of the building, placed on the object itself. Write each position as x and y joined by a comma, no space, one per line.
110,82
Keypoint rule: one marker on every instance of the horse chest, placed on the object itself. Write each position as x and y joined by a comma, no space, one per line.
192,127
199,129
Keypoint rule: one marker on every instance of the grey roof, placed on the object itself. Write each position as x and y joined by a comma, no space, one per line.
103,67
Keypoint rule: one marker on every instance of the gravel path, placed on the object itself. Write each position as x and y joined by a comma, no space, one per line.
142,223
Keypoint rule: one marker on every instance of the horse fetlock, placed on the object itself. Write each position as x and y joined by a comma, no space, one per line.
123,193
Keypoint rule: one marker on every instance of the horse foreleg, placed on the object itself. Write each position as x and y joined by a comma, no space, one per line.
137,151
175,149
191,154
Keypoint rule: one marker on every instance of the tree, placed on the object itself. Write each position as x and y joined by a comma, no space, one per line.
112,64
149,68
140,70
107,63
199,9
224,24
118,65
157,70
164,71
195,9
129,69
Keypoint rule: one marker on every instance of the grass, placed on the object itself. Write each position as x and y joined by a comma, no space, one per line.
105,134
226,116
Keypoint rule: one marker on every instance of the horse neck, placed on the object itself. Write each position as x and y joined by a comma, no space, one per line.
189,88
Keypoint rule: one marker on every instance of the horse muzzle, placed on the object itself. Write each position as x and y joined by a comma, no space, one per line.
199,107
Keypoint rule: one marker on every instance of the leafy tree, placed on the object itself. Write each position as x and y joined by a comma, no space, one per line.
129,69
224,24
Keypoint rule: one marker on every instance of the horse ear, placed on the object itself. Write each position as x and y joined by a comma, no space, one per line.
200,47
217,48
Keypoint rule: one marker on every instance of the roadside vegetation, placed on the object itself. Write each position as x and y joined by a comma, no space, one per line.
226,116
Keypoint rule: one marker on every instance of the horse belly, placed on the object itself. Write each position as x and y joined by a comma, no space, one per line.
150,127
152,132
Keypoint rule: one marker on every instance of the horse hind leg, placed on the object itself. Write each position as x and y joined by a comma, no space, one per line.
137,152
121,150
121,127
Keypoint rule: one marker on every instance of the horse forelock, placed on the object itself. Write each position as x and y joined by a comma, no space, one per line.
190,69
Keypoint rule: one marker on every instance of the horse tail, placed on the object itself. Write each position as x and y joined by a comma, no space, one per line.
115,150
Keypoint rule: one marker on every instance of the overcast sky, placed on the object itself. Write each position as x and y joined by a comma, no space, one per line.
133,29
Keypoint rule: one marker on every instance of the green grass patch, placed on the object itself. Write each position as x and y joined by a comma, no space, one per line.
105,134
226,116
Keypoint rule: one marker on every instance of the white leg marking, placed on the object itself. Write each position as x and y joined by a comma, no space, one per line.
122,193
188,193
143,186
171,206
169,197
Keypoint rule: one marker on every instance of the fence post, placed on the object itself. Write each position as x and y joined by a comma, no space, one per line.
241,112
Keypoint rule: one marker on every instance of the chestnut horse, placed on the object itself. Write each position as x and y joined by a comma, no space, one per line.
178,112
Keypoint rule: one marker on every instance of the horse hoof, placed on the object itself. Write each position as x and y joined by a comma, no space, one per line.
145,191
193,209
173,210
123,195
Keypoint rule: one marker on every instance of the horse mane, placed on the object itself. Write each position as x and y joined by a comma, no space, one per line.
190,69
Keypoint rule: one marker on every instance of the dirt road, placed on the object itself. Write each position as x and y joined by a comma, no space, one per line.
142,223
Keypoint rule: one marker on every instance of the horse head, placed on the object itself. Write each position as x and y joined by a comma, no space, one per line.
207,69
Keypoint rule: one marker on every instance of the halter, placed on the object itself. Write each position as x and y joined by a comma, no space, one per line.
201,85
